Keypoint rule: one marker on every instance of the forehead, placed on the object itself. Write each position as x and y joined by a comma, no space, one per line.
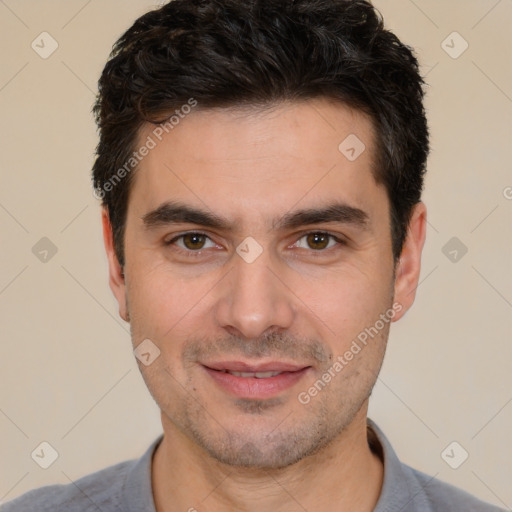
249,162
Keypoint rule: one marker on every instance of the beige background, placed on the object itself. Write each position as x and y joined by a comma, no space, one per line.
68,373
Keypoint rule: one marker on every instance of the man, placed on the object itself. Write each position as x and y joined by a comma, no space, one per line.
261,166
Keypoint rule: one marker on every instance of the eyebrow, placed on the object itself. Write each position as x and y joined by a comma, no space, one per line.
172,212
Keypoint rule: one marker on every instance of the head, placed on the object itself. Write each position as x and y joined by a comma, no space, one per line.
260,166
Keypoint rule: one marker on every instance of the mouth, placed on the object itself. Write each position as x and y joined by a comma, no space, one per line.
258,382
256,375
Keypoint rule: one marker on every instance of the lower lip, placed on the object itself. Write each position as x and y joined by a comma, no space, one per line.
252,387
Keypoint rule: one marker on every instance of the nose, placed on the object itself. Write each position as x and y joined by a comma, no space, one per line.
253,299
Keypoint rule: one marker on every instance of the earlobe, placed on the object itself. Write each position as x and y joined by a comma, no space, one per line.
409,264
116,271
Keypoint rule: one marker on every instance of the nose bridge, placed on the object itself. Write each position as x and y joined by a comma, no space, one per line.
253,299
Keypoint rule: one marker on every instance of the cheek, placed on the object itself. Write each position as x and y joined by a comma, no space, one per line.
155,302
166,308
343,302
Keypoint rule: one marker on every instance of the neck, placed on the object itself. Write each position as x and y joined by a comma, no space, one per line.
345,475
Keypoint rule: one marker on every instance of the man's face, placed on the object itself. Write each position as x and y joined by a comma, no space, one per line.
261,291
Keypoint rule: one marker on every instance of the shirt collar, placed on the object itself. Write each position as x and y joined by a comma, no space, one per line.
400,491
137,493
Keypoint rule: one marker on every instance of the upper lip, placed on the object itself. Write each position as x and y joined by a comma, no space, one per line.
240,366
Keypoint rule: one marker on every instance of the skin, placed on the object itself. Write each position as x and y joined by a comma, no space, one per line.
296,303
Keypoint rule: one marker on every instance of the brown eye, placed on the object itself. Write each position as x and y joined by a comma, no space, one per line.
318,241
191,242
194,241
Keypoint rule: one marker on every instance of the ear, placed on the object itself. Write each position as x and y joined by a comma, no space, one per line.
115,271
409,265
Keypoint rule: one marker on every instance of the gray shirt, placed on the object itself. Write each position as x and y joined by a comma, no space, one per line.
126,487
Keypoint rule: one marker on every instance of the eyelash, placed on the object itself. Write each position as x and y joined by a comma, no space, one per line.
316,253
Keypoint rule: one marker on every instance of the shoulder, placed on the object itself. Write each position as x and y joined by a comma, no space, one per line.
444,497
407,489
96,491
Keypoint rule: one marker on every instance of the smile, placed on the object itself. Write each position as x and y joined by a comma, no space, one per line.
257,375
258,382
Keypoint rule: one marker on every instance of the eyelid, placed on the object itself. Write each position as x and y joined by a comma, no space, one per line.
173,240
337,238
179,235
